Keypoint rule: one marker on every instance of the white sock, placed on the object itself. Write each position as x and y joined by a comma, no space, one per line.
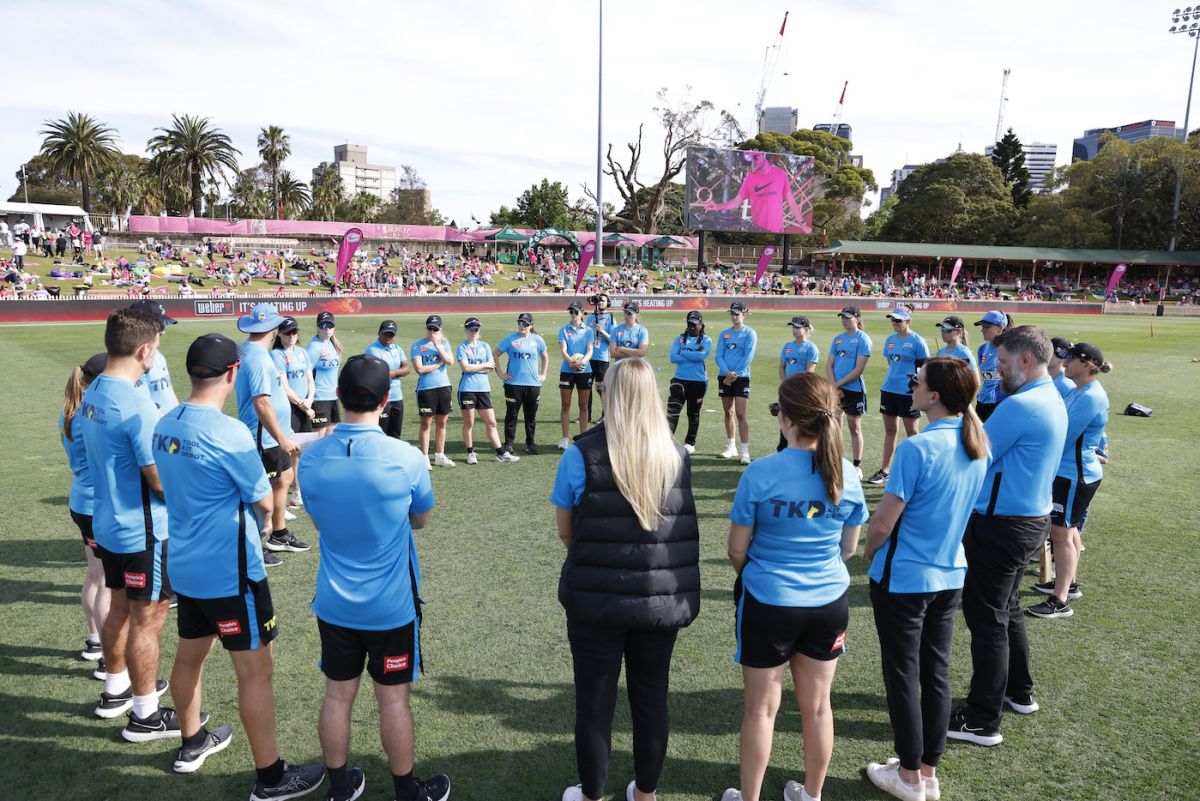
732,442
116,683
804,796
145,705
94,637
745,447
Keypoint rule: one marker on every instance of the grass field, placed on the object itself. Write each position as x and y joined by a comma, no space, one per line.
1117,682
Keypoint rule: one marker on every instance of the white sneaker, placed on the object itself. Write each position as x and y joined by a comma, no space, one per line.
573,793
472,458
508,457
933,789
442,460
689,448
288,515
563,443
745,457
887,778
428,463
794,791
295,501
859,471
629,788
730,452
731,794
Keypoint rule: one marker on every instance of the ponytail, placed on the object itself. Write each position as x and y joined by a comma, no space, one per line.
72,397
974,439
956,384
1106,367
337,345
809,402
828,457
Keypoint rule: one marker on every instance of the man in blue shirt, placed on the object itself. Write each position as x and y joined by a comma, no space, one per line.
219,497
734,351
157,382
392,418
1010,522
367,493
263,407
430,357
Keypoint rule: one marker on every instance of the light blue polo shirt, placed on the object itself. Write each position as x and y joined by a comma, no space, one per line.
607,322
795,553
577,341
570,480
394,356
938,483
478,352
117,422
257,376
796,357
690,356
360,486
735,350
629,337
1027,433
989,374
960,352
1087,416
157,383
296,368
524,358
902,354
211,475
83,495
427,354
1064,385
325,361
844,352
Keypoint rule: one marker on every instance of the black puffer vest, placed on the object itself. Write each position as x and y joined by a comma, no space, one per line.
617,573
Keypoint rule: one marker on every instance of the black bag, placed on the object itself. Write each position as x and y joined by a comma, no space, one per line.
1138,410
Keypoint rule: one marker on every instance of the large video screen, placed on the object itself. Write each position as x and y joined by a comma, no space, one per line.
748,191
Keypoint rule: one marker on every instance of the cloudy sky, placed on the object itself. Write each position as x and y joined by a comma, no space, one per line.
487,98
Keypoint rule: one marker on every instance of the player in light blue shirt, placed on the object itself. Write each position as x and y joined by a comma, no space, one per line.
689,353
904,351
629,338
992,324
430,356
601,322
475,392
387,349
848,355
157,382
298,382
325,353
954,335
575,342
734,351
525,372
1057,368
801,355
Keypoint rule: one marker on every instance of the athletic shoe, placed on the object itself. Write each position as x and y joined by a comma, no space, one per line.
531,449
91,651
174,602
295,500
933,788
731,794
563,443
295,782
442,460
1050,609
629,788
288,516
887,778
1021,704
960,729
428,463
472,458
793,791
100,673
880,476
1047,588
287,542
745,457
355,784
730,452
270,559
437,788
689,448
161,724
112,706
189,760
507,456
573,793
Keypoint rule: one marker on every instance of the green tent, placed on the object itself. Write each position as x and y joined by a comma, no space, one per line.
507,234
664,241
614,238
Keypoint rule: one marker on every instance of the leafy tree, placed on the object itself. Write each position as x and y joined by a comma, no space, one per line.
1009,157
963,199
364,207
410,178
251,194
1049,222
121,186
328,191
274,146
79,147
878,219
545,205
46,184
293,195
190,150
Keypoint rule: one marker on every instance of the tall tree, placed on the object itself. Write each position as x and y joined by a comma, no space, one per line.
545,205
1009,157
964,199
294,196
190,150
364,207
274,146
79,148
328,191
45,184
251,194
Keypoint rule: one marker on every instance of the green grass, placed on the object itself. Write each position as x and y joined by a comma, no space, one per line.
1116,682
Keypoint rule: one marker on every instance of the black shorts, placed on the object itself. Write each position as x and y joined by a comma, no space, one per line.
893,404
326,413
740,388
573,380
853,403
142,574
1071,499
301,423
433,401
599,370
474,400
391,419
85,528
392,656
244,623
768,636
276,462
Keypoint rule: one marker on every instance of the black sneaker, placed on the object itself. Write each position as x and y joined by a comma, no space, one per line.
112,706
287,542
960,729
1022,704
436,788
189,760
91,651
100,672
880,476
296,781
270,559
163,724
356,782
1050,609
1047,588
531,449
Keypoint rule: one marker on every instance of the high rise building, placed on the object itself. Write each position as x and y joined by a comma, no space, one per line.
1087,146
358,175
1039,161
779,119
841,129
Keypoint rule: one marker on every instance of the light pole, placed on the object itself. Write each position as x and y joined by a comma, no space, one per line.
1184,21
599,256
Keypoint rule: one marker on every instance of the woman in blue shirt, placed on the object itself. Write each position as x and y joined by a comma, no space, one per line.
795,519
689,353
904,352
475,392
576,342
298,383
848,355
917,570
798,356
734,351
325,353
525,373
954,335
1078,477
992,325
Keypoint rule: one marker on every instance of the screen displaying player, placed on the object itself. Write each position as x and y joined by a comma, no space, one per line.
736,190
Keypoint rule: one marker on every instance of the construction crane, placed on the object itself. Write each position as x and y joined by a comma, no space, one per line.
1003,100
838,109
770,60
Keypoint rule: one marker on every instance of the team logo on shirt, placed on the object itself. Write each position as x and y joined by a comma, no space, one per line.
393,664
793,509
167,444
229,628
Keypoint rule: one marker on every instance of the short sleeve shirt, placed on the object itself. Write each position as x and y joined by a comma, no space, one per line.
296,368
325,361
83,494
844,352
478,352
577,341
902,354
427,354
524,358
797,357
258,376
393,354
157,383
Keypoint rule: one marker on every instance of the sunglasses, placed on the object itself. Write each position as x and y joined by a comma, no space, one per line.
388,334
773,409
325,326
913,383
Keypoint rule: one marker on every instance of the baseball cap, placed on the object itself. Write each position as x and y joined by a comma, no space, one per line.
387,327
472,322
95,365
632,306
739,307
694,317
289,325
1062,347
364,380
1087,352
325,320
211,355
899,314
850,311
524,318
434,321
262,318
994,317
952,322
800,320
152,308
575,307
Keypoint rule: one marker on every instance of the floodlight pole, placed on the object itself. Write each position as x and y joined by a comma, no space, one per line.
599,255
1186,118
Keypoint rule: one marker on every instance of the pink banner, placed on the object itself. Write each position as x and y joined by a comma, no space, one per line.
350,243
585,259
1117,272
954,272
763,261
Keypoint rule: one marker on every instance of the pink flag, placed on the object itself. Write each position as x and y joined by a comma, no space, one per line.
763,260
1117,272
350,242
954,272
589,250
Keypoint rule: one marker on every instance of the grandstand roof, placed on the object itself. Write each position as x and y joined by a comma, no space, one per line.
917,250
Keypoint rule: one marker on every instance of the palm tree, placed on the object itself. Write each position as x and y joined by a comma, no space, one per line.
328,190
79,147
274,146
190,150
365,206
293,194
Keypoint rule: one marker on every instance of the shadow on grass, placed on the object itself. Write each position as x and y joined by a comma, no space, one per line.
44,552
56,500
43,592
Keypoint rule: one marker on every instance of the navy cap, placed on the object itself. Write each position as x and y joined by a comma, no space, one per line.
850,311
433,321
95,365
211,355
1087,352
575,307
800,320
694,317
472,322
325,319
387,327
739,307
364,380
524,318
952,322
1062,347
289,325
632,306
152,308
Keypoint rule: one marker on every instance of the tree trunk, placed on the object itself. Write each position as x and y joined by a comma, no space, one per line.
87,193
196,195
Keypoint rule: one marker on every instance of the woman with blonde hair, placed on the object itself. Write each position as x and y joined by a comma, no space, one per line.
631,578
